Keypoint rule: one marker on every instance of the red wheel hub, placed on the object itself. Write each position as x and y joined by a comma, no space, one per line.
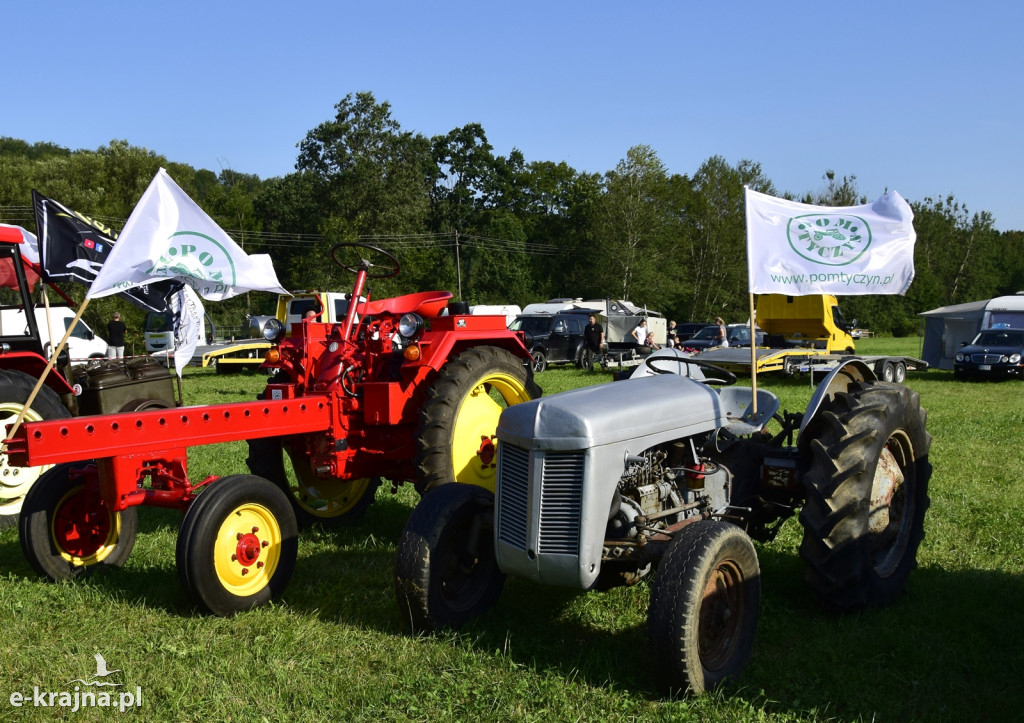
248,549
81,525
487,451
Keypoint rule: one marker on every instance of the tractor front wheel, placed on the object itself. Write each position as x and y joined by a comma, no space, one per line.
446,571
456,438
66,528
705,603
237,545
315,499
867,492
15,388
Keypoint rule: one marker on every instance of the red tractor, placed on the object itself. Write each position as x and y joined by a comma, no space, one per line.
408,388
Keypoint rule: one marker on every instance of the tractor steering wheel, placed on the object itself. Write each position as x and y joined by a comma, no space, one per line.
387,270
727,379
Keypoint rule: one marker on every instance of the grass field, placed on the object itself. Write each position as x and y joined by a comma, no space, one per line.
951,649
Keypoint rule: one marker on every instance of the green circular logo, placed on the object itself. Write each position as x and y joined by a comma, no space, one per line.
829,239
199,257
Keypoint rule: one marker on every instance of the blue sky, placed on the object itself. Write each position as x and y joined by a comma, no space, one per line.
921,97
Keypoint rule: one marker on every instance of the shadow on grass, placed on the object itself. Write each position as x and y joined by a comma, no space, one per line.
952,646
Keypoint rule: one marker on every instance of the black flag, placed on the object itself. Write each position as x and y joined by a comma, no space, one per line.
72,247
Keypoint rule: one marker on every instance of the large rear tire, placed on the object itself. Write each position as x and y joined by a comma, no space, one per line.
15,482
66,528
237,545
867,493
314,499
705,604
446,572
456,437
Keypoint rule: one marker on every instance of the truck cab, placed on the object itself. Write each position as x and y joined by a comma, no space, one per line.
813,321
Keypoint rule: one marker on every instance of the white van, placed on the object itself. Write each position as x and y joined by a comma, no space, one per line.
82,344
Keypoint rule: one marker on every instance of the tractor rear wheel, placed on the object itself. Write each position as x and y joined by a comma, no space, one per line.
446,572
314,499
867,492
705,603
66,528
15,388
237,545
456,437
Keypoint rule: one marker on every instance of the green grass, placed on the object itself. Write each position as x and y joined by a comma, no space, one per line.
334,649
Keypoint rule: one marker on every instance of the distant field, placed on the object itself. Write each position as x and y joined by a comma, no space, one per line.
952,649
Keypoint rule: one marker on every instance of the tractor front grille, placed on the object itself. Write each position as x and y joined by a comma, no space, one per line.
561,500
514,481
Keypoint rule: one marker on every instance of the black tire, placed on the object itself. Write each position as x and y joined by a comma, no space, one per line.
237,545
884,370
15,482
540,361
853,562
455,441
705,604
899,374
66,528
446,572
315,500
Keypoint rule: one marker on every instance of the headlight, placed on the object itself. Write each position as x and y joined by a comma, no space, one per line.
1014,358
959,356
410,325
273,330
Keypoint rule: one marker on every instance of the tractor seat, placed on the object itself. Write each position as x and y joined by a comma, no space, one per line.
427,304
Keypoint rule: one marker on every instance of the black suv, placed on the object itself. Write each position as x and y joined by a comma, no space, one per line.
994,353
553,338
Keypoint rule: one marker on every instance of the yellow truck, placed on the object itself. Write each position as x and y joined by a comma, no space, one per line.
806,334
813,322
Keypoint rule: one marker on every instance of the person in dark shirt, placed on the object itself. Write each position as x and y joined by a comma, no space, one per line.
115,337
593,341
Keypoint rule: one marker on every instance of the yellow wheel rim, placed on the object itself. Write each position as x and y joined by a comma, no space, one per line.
247,549
325,497
474,444
15,481
83,530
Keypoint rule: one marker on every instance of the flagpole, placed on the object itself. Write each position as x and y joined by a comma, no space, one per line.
42,377
753,354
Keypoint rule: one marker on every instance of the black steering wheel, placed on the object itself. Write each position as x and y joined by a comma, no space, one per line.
387,270
727,379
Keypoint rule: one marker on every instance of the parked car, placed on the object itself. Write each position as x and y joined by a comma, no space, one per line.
687,329
553,338
994,353
737,334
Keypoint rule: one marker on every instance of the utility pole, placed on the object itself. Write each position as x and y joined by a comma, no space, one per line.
458,267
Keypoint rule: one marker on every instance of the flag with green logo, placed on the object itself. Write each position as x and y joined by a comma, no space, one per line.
168,236
798,249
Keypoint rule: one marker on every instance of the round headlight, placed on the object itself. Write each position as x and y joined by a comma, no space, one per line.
410,325
1014,358
273,330
959,356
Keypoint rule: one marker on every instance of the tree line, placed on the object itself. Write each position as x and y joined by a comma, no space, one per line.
502,229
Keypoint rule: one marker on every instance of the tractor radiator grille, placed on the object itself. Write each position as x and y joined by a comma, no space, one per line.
560,503
514,473
561,500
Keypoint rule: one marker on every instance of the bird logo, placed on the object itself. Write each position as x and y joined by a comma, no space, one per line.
101,672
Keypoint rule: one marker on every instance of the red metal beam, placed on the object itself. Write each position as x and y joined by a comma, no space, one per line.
111,435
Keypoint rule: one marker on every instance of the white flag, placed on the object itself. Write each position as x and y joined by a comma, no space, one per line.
188,325
169,237
797,249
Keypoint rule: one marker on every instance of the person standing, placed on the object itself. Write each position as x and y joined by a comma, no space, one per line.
722,337
593,341
640,333
115,337
673,341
